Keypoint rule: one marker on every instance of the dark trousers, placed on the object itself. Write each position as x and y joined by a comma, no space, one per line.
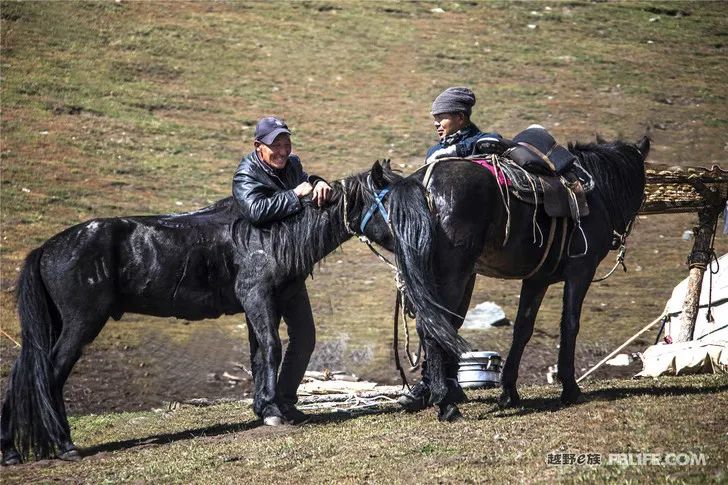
275,386
301,342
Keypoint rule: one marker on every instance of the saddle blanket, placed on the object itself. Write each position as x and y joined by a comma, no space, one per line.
551,191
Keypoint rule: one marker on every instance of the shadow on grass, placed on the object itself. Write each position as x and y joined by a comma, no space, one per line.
550,404
223,429
166,438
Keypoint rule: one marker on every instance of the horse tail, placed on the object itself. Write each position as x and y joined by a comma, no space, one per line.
32,403
414,242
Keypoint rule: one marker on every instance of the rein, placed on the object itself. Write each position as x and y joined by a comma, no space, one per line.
622,238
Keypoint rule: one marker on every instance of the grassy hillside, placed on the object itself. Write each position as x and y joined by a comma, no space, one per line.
117,108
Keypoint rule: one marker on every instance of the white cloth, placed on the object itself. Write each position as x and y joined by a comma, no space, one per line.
708,353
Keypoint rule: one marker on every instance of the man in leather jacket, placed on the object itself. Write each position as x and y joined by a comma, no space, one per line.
458,135
268,186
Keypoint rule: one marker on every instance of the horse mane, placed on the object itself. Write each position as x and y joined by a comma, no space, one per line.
223,211
618,169
415,240
299,241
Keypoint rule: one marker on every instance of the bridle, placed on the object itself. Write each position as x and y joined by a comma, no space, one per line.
377,206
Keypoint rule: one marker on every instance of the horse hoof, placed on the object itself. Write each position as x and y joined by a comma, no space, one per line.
273,421
509,400
70,454
449,414
11,457
573,397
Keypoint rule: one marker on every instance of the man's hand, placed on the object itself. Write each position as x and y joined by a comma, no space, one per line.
450,151
321,193
303,189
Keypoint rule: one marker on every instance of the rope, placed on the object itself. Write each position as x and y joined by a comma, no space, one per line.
506,198
622,249
395,344
351,404
414,362
531,182
17,344
709,314
629,340
546,251
620,260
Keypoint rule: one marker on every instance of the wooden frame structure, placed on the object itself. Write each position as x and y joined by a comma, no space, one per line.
670,190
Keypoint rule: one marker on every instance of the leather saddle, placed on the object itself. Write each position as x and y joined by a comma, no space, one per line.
540,171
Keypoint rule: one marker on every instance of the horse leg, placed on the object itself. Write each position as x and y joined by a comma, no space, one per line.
445,389
440,389
575,290
451,371
418,397
532,293
261,312
66,353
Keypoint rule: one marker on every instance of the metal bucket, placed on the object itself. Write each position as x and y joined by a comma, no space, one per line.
479,369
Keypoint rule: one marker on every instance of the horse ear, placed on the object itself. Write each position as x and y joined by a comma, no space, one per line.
378,175
644,146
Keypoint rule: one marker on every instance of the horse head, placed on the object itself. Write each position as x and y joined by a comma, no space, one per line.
368,201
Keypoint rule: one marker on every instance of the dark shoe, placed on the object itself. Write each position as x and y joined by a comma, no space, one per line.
272,415
11,457
417,399
70,454
449,413
293,416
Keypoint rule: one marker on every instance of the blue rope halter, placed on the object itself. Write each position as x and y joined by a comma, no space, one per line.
376,206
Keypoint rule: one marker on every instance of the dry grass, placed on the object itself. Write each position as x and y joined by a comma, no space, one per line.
145,107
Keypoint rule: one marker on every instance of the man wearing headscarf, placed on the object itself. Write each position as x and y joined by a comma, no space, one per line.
451,112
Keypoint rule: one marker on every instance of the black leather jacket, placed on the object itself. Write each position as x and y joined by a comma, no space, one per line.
264,194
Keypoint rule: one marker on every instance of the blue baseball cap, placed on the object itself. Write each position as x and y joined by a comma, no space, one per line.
269,128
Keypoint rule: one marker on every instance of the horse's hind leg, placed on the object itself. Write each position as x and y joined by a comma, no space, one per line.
575,290
532,293
66,352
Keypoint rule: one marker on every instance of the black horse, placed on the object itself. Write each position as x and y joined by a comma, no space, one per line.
196,265
472,223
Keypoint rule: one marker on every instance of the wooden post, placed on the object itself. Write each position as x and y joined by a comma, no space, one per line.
698,261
